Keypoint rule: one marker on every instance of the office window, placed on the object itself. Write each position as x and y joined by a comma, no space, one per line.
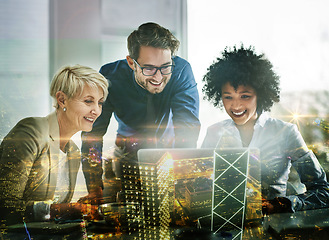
24,58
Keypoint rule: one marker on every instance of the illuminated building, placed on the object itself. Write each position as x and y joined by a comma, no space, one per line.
151,184
236,184
132,193
198,197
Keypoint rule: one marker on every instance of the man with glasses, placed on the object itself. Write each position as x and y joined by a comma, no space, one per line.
154,98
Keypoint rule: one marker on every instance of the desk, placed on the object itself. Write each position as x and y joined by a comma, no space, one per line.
101,231
310,224
46,230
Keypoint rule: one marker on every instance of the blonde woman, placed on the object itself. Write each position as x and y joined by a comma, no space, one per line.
38,161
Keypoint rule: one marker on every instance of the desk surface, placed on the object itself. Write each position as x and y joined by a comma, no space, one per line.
301,225
46,230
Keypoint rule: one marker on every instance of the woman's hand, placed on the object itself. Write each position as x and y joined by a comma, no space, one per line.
90,212
95,197
71,211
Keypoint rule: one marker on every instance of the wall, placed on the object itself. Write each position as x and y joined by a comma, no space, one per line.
24,64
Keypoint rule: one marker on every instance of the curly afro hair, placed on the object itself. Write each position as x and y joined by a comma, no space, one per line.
242,67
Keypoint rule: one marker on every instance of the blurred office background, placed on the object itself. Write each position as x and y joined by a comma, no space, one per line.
39,36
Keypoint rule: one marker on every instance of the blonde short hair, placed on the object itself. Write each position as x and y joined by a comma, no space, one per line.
72,79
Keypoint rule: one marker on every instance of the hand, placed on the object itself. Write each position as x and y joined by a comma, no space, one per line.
276,205
267,207
65,211
95,197
90,212
71,211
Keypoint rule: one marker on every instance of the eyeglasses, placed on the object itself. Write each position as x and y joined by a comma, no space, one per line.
151,71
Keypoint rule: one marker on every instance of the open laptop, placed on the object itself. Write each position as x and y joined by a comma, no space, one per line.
218,188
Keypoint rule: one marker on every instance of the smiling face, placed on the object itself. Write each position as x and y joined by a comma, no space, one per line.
84,109
240,104
151,57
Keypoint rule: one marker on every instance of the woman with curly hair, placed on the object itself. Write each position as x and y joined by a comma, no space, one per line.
245,84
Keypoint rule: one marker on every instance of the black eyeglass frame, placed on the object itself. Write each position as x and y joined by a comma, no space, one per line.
157,68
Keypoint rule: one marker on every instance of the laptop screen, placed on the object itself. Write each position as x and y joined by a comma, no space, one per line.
209,186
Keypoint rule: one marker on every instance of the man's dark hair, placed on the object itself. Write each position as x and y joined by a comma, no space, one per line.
242,67
151,34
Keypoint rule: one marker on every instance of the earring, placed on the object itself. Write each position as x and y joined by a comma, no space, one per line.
64,109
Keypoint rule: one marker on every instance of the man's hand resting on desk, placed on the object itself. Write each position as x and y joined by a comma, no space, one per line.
276,205
71,211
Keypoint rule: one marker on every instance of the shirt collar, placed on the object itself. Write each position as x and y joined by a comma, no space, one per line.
262,120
